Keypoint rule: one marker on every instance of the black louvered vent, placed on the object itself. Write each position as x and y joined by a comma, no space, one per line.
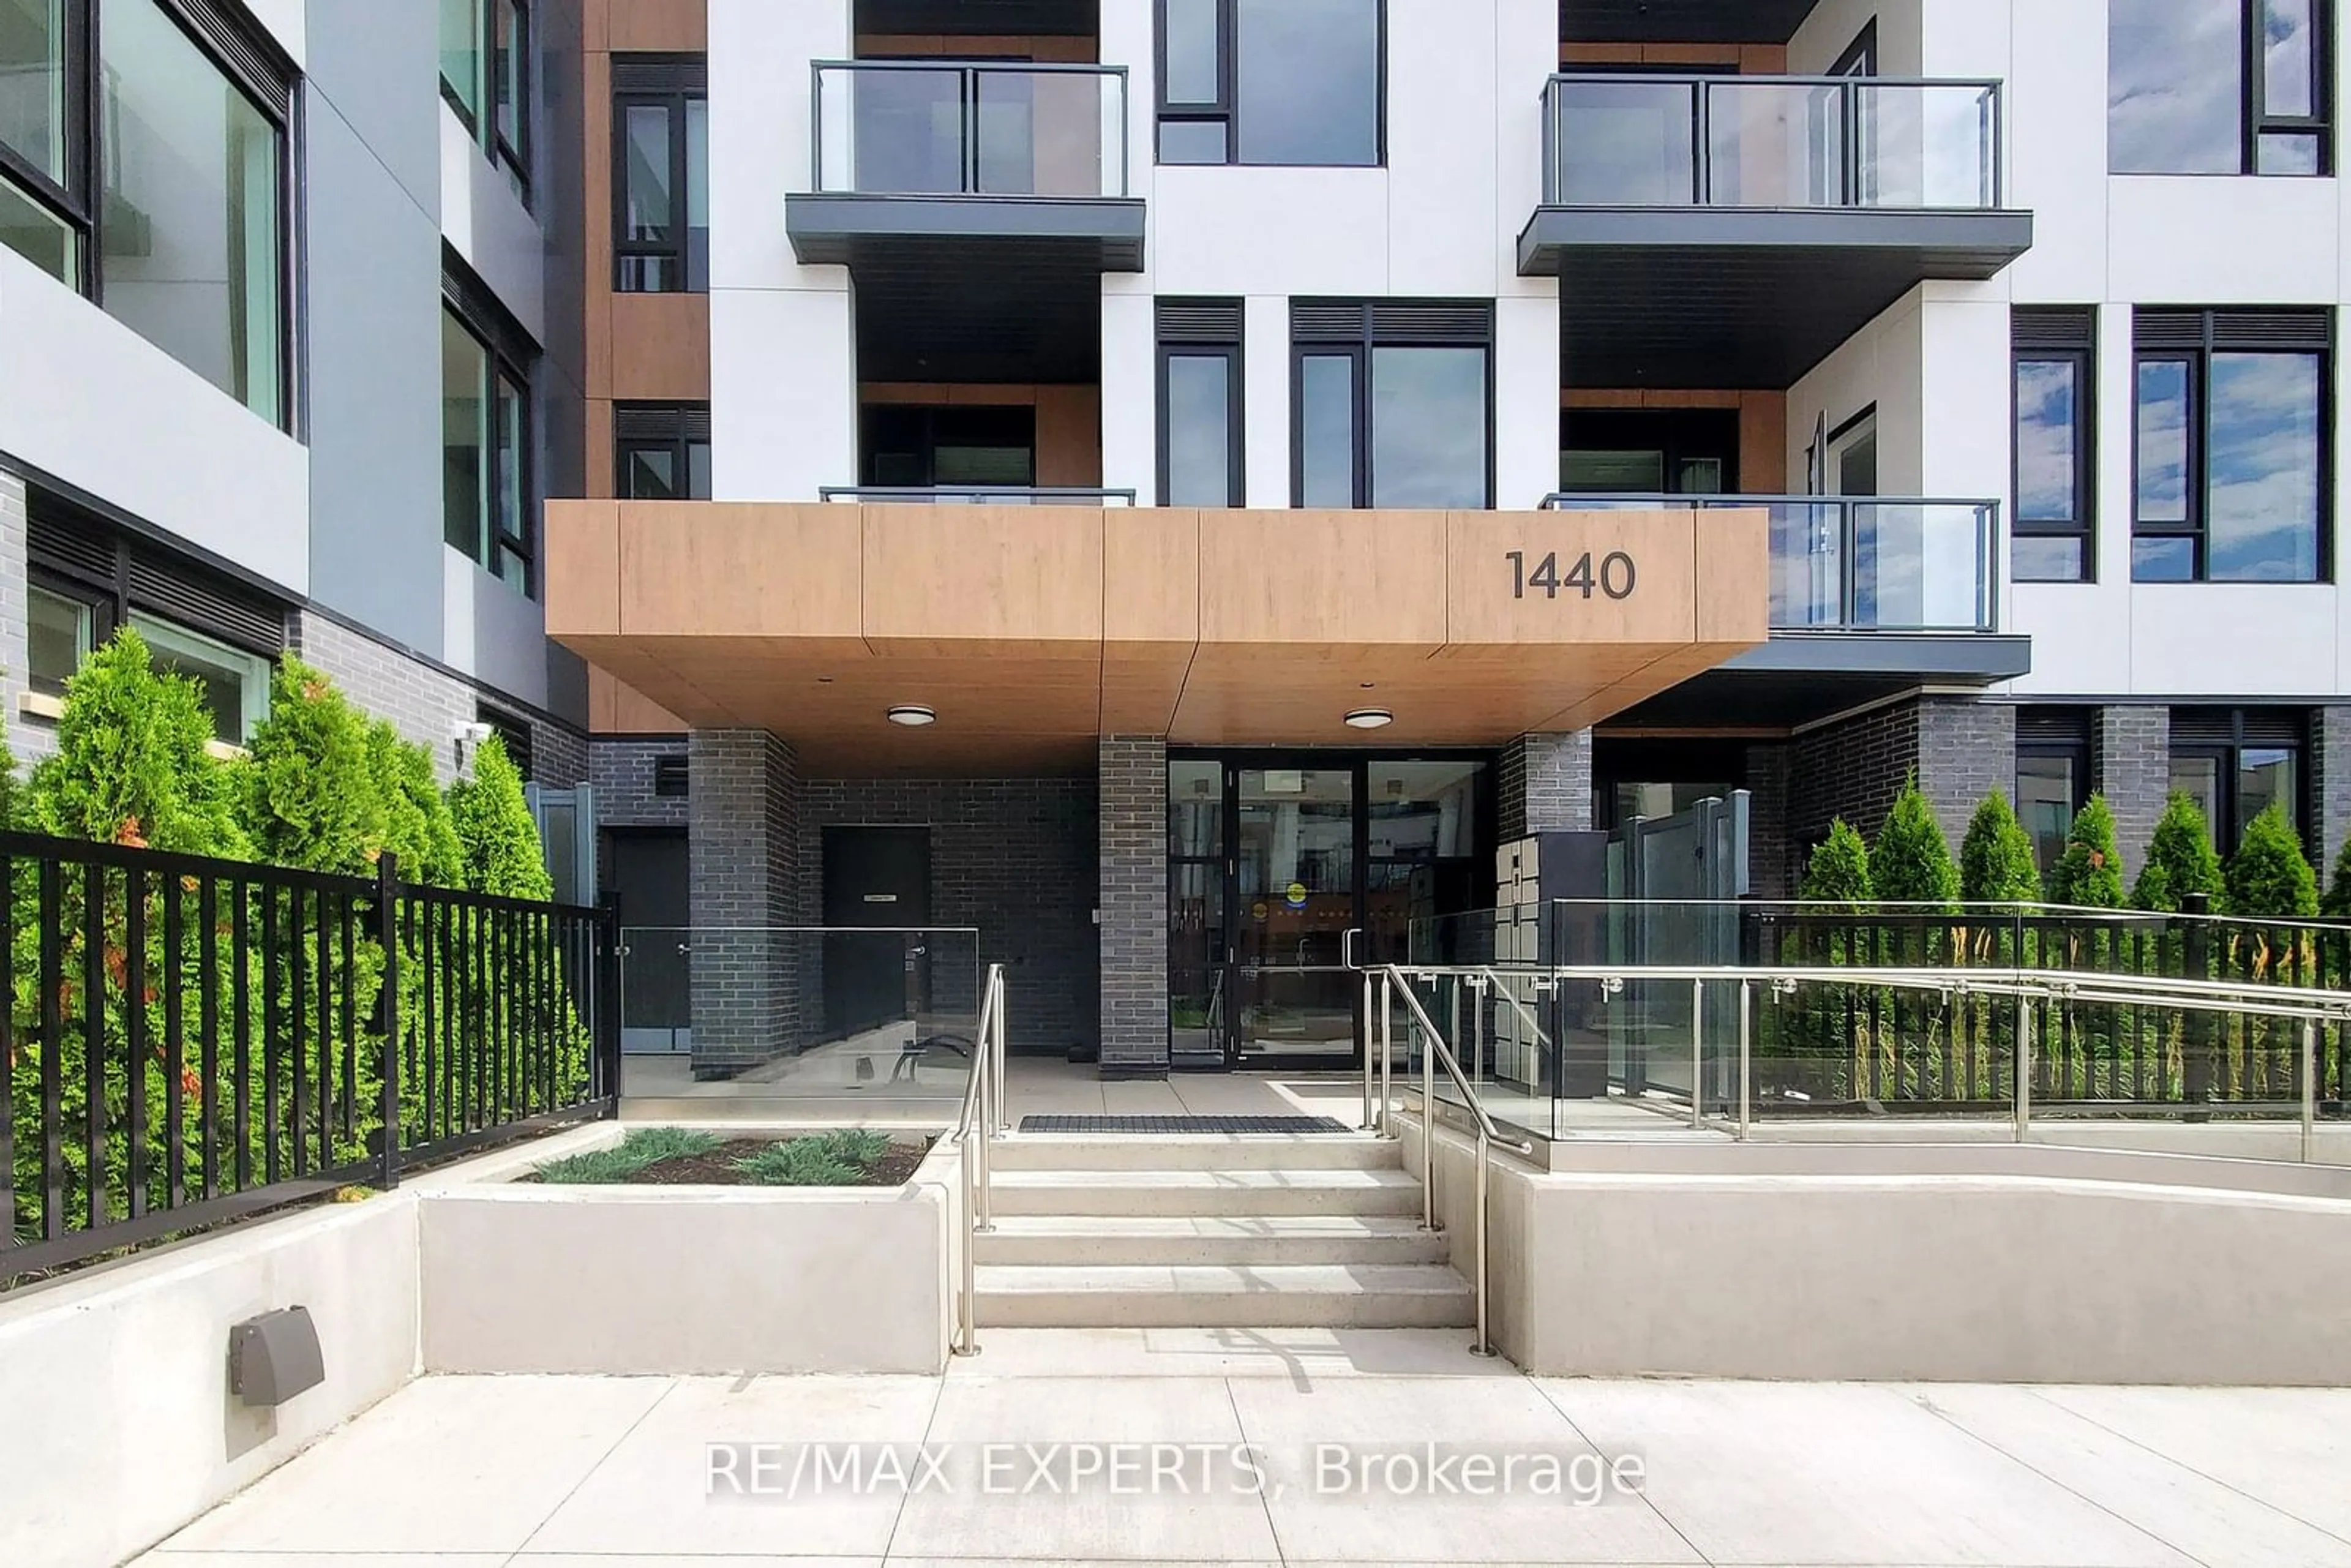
648,422
64,542
648,73
1326,320
2227,727
2068,329
1392,321
513,733
2303,330
67,546
2168,329
1200,320
206,605
670,780
250,55
2052,726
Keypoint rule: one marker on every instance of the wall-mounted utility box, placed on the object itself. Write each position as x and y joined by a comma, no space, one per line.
274,1357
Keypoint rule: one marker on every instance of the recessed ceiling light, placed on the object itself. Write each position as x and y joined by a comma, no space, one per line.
1370,719
914,716
1367,686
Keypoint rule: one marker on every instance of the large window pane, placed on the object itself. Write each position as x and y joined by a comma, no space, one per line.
2163,440
2263,523
2044,558
33,83
1326,427
234,683
2044,802
648,208
1423,811
1192,59
2048,452
2264,779
191,257
461,53
697,470
1199,431
1308,81
697,194
1196,809
2175,76
2289,59
57,637
2197,774
465,439
1429,427
34,233
649,474
509,509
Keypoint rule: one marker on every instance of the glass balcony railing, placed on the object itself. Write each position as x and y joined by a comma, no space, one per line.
926,128
1778,143
979,494
1875,563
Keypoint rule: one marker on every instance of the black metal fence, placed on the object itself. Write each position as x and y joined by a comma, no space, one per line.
1828,1045
189,1042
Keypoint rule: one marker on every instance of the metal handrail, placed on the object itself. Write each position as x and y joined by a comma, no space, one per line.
1437,1049
983,1099
972,70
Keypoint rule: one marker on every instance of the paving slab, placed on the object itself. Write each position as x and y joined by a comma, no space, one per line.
2287,1447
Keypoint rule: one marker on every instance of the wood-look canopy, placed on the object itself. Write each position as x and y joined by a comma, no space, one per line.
1032,630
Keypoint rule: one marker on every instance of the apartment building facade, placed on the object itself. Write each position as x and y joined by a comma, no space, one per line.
290,326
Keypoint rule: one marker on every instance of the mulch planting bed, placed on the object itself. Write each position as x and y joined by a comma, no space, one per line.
717,1168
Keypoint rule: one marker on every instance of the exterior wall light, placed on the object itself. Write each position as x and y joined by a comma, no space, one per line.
1370,719
914,716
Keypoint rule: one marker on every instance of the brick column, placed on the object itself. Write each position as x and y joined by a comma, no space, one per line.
743,864
1133,781
1966,748
2130,765
2330,786
1545,784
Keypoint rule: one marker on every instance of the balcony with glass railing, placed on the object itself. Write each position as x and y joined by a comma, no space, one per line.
1752,224
942,152
1861,563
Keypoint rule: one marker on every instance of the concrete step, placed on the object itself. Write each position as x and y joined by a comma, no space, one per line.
1244,1193
1231,1241
1289,1295
1195,1151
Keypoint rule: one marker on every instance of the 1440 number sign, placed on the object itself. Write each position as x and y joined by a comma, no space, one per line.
1613,576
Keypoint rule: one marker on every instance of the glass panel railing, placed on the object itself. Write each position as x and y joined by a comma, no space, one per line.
978,495
1861,564
968,127
1783,142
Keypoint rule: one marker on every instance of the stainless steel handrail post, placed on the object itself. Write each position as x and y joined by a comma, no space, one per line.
1697,1054
1485,1345
2023,1066
1746,1058
1387,1053
976,1115
1429,1119
2309,1090
997,1054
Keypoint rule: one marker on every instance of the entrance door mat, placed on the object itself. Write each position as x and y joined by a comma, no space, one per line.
1182,1124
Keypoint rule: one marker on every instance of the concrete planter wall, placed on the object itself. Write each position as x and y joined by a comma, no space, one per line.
664,1280
1903,1262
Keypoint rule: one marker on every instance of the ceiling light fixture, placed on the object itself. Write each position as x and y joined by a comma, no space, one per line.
1370,719
914,716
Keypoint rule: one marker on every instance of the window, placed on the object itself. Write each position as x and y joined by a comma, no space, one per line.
2233,456
2056,371
1200,451
2053,777
1646,451
2181,100
87,580
487,434
1392,403
663,450
485,59
2236,763
1272,81
154,181
661,174
915,446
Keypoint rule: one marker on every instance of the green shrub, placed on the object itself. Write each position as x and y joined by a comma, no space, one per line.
1996,863
2180,860
418,827
857,1145
495,830
1911,861
1838,872
2090,873
644,1147
800,1162
2269,877
2336,906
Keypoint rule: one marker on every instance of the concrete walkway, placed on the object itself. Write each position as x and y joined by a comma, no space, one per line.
1295,1447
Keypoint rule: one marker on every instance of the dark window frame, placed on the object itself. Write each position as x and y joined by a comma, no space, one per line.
1358,347
689,426
510,356
1227,113
250,63
692,73
2253,119
2230,753
2227,330
484,129
2082,356
1862,53
1233,350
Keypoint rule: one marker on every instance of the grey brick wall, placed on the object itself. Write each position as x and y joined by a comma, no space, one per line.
2130,765
2330,788
1959,749
1544,784
1966,748
1013,858
26,741
1772,871
559,754
425,704
622,774
1134,904
744,883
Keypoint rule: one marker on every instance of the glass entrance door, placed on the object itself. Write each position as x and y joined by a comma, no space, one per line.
1295,873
